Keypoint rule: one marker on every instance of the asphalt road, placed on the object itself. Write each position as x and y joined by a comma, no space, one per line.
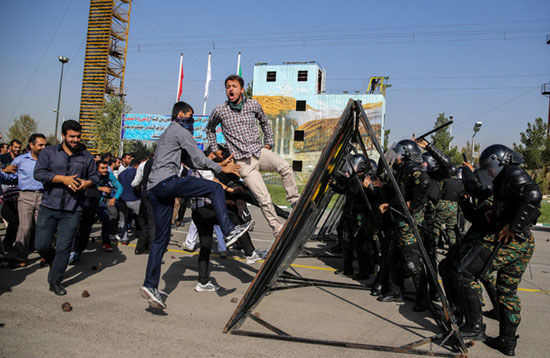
115,321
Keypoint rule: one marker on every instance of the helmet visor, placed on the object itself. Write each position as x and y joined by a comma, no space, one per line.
395,154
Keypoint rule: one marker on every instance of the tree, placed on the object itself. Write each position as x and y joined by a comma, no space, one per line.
107,126
52,139
535,146
386,140
442,140
22,129
248,90
137,148
467,149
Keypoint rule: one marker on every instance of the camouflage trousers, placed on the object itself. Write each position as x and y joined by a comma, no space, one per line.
442,217
404,231
509,264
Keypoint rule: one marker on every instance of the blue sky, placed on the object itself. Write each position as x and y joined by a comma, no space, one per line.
478,60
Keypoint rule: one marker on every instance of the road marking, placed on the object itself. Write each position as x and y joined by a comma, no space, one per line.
532,290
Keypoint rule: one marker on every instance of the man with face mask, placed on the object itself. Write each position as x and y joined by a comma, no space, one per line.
65,170
176,145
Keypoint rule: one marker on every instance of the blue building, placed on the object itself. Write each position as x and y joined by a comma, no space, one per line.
294,97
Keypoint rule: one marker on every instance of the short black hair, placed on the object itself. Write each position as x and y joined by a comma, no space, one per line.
181,107
106,155
15,141
234,78
70,125
126,154
134,162
99,162
32,138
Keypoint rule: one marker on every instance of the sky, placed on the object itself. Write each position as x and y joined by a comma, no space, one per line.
476,60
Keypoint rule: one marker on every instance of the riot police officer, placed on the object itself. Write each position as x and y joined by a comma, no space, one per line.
406,159
516,203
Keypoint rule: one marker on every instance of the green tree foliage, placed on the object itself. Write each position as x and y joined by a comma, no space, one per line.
535,146
248,90
386,140
52,139
138,148
442,140
107,127
467,149
22,129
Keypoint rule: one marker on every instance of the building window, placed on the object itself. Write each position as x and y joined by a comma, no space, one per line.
300,106
319,81
271,76
302,76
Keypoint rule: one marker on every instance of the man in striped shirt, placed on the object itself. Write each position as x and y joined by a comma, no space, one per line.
238,117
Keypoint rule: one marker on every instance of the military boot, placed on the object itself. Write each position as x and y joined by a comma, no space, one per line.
474,328
507,340
422,296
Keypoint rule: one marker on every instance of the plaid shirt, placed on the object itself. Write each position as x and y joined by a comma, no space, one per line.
240,128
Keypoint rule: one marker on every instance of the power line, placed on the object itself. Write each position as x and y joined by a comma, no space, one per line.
358,29
41,59
495,107
356,36
304,44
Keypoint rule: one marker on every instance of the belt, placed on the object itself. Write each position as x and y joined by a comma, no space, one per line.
34,191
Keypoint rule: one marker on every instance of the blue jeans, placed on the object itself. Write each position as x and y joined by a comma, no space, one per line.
66,224
162,198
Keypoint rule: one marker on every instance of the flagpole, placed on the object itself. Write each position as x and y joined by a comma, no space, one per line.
180,79
207,84
239,72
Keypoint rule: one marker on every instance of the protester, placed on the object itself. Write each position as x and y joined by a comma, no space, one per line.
164,185
130,202
30,193
13,151
65,170
238,117
111,190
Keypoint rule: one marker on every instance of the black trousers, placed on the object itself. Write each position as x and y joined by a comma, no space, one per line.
146,220
10,214
88,219
205,219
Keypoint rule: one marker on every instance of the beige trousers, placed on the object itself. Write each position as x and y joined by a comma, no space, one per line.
27,208
271,162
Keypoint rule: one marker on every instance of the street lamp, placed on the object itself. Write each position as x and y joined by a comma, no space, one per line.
63,61
477,127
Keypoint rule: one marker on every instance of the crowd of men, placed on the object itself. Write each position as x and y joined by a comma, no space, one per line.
499,200
53,194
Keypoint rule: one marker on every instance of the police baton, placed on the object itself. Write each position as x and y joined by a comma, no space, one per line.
434,130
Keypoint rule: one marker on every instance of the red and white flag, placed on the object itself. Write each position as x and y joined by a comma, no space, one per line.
180,79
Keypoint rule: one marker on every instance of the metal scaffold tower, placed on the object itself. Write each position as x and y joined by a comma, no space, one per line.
105,61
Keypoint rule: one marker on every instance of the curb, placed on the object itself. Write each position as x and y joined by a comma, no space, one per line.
541,224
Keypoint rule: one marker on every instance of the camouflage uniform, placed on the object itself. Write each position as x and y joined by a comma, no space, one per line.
510,263
446,213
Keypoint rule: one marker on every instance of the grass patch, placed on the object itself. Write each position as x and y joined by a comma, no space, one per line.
544,217
278,194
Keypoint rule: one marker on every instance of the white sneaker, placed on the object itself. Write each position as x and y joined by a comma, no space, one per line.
253,258
208,287
153,297
237,232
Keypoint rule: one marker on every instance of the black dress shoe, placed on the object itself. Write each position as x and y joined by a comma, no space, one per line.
141,252
391,297
58,289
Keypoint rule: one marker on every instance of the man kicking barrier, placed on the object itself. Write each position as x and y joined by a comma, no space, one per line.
164,185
